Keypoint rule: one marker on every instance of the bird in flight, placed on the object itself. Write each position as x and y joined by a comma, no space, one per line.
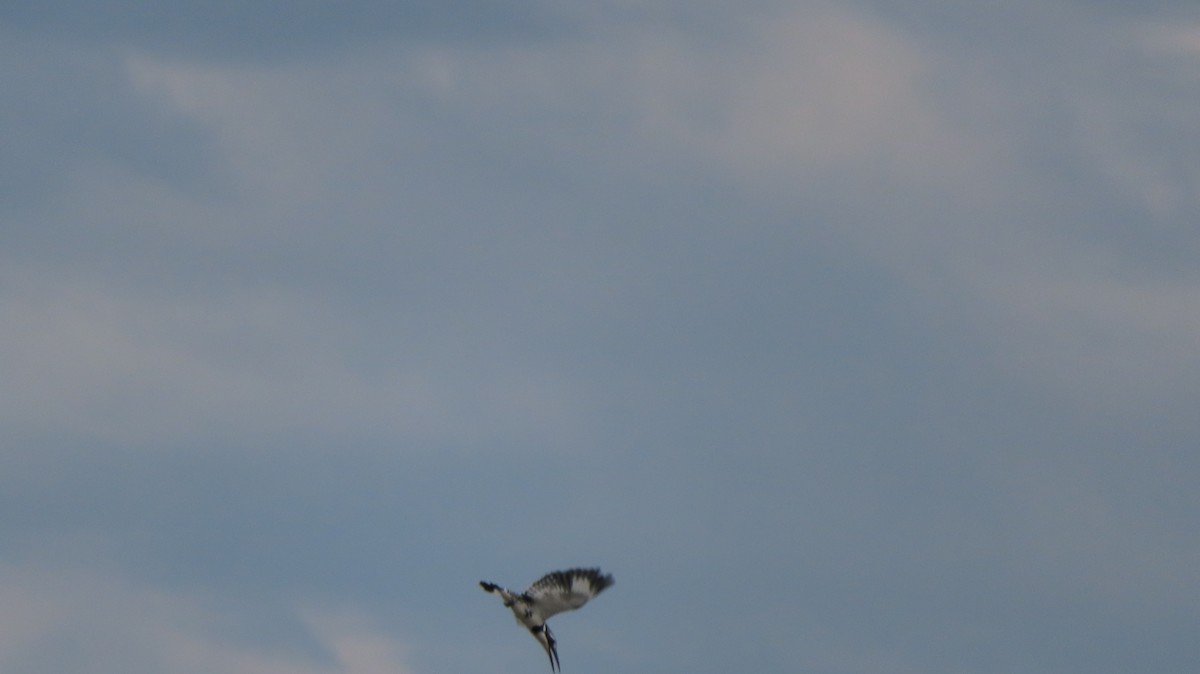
551,594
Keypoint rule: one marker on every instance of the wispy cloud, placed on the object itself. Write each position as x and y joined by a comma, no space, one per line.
893,301
59,619
138,368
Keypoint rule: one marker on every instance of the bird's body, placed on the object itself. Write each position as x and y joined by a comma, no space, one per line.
551,594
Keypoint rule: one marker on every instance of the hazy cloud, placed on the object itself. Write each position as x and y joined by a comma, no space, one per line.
71,621
873,321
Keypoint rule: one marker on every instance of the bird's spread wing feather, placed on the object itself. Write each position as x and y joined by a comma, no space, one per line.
560,591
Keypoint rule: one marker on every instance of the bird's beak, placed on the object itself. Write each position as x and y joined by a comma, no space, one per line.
551,645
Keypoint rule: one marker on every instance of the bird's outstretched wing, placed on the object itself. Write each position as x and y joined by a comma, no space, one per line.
560,591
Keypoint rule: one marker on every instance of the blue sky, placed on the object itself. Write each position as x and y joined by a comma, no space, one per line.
852,338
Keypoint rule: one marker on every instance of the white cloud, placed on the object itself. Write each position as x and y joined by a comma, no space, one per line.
57,619
142,368
1181,38
169,352
834,91
817,89
930,159
951,191
816,92
288,132
1090,335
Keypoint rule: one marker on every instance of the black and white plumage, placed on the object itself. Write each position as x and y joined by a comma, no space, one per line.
551,594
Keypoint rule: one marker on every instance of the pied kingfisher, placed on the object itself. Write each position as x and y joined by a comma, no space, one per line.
553,593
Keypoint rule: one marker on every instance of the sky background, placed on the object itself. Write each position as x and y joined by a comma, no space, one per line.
852,337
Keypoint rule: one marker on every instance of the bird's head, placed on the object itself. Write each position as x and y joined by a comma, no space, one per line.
546,638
